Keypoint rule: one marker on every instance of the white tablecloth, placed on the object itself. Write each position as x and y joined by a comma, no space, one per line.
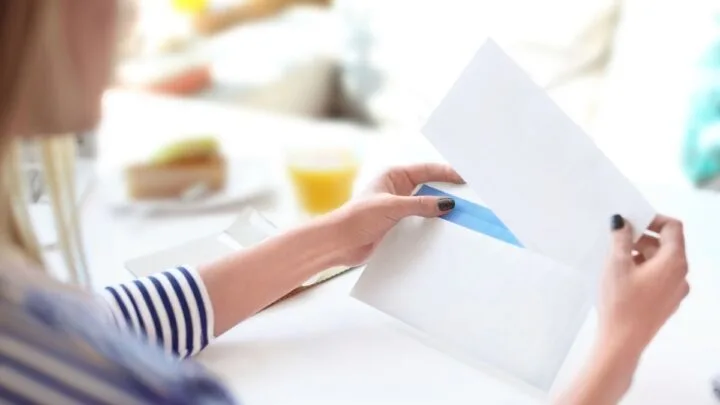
322,347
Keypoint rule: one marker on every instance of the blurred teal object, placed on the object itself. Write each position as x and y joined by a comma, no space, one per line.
701,149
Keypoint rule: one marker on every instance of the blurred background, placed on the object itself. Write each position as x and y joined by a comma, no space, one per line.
259,80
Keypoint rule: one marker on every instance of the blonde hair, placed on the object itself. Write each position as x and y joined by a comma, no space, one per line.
19,29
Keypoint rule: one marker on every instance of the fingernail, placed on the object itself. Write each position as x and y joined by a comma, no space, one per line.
446,204
617,222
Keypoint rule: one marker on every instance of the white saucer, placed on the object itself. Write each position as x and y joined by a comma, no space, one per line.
247,179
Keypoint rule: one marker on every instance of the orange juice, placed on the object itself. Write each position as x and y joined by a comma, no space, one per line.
323,180
190,6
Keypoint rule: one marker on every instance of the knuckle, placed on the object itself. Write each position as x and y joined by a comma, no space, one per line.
684,289
678,229
394,172
424,203
383,202
680,264
372,205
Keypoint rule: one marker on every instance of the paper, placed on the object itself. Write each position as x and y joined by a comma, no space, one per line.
531,164
249,229
505,282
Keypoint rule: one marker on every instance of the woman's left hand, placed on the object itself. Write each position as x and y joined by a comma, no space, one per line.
362,223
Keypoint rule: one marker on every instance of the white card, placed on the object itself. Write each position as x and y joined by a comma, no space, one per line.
507,283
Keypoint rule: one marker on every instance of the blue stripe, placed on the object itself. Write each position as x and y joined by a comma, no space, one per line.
122,306
170,311
201,306
186,312
141,323
49,381
13,397
473,216
153,311
70,358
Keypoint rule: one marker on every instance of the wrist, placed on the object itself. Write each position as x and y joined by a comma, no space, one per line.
617,357
320,241
607,375
249,280
622,341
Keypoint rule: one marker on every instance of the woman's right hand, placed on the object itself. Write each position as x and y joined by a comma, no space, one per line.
643,284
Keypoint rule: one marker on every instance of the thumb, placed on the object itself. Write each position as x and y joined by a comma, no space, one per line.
622,236
424,206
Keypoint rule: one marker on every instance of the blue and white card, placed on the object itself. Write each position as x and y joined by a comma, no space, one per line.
506,280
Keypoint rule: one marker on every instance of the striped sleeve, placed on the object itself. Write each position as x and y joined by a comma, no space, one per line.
171,308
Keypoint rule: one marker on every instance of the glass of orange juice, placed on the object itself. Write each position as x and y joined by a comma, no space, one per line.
322,176
190,6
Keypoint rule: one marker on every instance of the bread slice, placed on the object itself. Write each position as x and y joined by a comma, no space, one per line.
153,181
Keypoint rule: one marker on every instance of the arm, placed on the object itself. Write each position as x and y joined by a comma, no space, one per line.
638,295
57,347
606,377
238,286
182,309
171,309
243,283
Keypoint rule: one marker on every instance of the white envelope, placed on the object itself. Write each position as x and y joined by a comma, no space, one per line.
505,283
250,228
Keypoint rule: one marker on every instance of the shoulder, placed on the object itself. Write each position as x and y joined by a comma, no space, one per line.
62,344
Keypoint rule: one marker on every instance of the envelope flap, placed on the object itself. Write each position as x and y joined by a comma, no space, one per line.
531,164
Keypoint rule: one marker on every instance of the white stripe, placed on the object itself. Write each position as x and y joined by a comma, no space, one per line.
64,373
114,308
177,311
31,391
209,311
194,309
130,308
103,300
144,312
160,311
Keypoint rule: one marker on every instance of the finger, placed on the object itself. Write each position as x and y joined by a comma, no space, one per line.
647,246
672,237
638,258
622,236
423,206
433,172
659,222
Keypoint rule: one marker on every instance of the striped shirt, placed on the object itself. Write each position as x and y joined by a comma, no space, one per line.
121,347
170,309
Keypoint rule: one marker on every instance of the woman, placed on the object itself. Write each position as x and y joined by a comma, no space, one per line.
60,346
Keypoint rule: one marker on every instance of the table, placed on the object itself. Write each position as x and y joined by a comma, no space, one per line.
135,124
323,347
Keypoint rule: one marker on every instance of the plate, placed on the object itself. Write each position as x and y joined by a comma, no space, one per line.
247,179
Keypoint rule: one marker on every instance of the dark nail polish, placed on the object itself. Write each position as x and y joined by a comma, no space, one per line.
446,204
617,222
